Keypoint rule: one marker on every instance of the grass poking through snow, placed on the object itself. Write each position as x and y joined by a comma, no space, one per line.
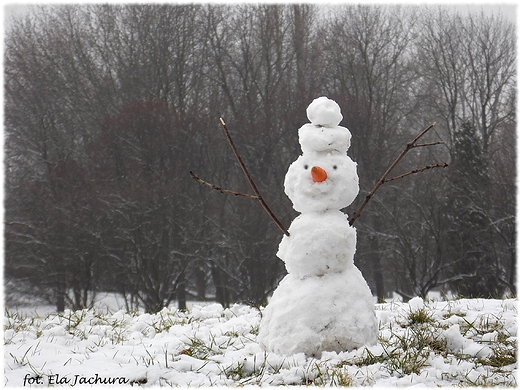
439,343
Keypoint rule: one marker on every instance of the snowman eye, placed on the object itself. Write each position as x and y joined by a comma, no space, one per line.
335,167
305,166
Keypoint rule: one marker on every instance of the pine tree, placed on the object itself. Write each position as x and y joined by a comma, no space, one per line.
476,272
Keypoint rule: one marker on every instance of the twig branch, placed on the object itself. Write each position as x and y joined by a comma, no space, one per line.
422,133
257,195
441,165
224,191
382,180
250,179
429,144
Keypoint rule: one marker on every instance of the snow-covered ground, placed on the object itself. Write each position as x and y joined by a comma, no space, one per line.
437,343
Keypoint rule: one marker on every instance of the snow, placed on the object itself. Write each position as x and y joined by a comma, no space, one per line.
323,139
323,133
456,342
324,112
323,304
213,346
416,303
319,243
316,314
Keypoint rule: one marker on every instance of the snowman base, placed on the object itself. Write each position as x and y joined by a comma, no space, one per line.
320,313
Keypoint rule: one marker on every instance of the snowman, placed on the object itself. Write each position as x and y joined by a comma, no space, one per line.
323,303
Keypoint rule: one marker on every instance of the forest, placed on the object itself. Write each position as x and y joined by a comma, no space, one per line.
107,108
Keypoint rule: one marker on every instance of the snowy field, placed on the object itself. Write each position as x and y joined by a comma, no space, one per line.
437,343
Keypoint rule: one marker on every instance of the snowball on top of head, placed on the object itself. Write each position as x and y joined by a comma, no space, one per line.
323,133
324,112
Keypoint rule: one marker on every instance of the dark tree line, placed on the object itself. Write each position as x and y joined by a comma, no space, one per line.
108,108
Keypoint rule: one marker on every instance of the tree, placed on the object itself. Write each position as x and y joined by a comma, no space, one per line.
135,169
45,107
470,237
491,62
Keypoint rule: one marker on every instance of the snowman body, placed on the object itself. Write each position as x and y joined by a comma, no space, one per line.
323,303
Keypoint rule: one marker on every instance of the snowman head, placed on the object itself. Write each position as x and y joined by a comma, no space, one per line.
321,181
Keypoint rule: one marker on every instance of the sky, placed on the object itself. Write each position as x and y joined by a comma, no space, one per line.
508,8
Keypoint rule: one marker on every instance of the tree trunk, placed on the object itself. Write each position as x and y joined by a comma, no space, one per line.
512,274
377,270
78,304
201,284
60,299
181,291
221,294
379,279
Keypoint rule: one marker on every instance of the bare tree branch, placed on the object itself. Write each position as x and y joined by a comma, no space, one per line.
440,165
382,180
257,195
429,144
250,180
224,191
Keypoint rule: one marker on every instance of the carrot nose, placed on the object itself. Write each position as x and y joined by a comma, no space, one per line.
318,174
